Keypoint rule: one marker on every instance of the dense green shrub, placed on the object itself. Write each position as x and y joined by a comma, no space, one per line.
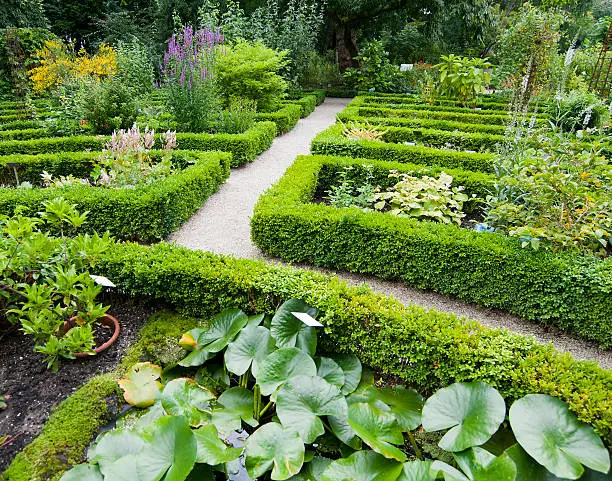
250,70
108,106
307,102
375,71
333,142
569,290
147,213
244,147
578,110
20,125
238,117
24,134
462,77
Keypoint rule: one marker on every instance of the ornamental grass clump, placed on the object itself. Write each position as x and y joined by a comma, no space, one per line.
189,79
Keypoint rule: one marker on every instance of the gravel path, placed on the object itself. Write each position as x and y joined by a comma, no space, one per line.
222,226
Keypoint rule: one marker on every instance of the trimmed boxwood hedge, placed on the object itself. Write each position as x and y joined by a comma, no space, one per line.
481,102
352,115
20,125
570,290
29,167
148,213
425,348
285,118
306,102
23,134
244,147
333,142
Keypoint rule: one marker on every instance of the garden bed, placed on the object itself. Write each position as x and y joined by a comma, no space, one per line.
148,213
34,390
567,289
426,349
244,147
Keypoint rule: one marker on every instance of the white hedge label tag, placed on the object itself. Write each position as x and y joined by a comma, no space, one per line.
307,319
103,281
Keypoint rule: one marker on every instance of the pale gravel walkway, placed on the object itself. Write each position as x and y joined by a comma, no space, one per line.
222,226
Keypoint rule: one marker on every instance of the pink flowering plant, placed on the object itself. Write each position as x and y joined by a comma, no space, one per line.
189,79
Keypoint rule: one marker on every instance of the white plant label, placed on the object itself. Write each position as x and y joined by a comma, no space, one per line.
103,281
307,319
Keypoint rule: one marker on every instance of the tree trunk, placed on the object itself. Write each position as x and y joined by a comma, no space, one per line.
346,46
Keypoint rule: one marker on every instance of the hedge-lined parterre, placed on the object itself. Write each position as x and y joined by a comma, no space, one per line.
285,118
23,134
147,213
570,290
333,142
244,147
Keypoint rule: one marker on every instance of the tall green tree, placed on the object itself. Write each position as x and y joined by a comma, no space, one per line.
22,13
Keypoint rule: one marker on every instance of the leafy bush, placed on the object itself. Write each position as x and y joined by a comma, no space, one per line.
320,72
555,196
250,70
108,106
351,193
189,78
375,71
238,117
134,67
578,111
425,198
276,362
46,282
463,78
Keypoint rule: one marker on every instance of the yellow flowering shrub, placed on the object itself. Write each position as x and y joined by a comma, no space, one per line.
57,64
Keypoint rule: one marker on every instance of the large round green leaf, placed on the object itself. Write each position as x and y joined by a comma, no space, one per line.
447,471
555,438
303,399
471,411
313,470
83,472
289,331
406,405
282,365
363,466
222,330
141,385
185,397
251,347
196,358
481,465
211,450
274,447
526,466
351,366
329,370
170,452
344,432
416,471
233,406
113,446
378,429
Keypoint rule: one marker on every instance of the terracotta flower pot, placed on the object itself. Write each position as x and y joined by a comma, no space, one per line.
106,320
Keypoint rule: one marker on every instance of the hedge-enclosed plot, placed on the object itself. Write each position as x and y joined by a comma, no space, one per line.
571,290
426,349
285,118
243,147
148,213
333,142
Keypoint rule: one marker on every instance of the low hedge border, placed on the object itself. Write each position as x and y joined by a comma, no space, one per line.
148,213
23,134
285,118
482,102
318,93
20,125
352,115
425,348
441,108
476,141
244,147
467,118
570,290
30,167
308,103
333,142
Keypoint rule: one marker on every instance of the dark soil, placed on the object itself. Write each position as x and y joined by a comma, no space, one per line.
34,390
